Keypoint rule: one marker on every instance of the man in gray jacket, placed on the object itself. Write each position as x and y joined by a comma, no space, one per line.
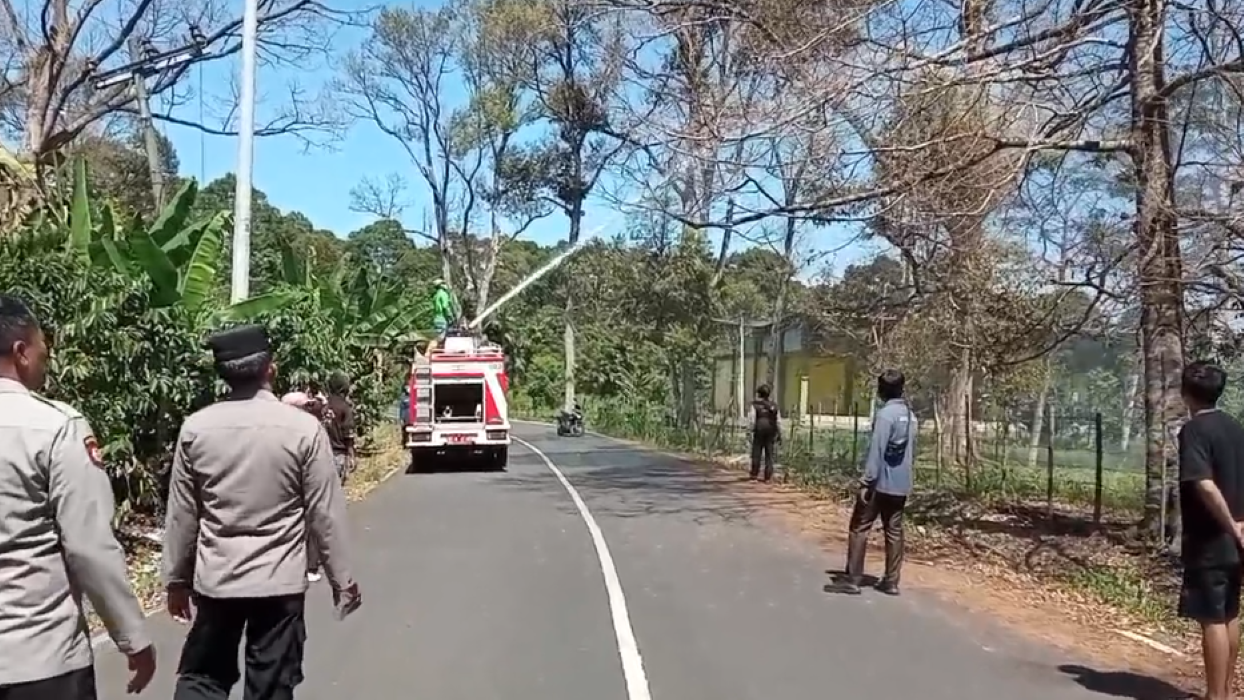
252,482
56,539
884,486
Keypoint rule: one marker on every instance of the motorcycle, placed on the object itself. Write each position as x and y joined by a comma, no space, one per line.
569,423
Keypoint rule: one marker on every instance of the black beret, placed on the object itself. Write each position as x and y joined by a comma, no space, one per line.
239,342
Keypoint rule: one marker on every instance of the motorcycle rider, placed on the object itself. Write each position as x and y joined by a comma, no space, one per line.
569,419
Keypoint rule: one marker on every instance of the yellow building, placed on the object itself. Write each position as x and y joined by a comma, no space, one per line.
830,378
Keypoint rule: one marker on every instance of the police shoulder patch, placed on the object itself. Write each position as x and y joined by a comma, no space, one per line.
93,452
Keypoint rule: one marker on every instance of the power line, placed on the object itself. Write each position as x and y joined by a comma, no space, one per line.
147,61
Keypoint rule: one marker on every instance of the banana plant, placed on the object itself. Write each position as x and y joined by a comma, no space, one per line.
359,305
177,257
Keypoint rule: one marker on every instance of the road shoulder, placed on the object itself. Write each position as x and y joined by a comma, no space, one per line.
975,592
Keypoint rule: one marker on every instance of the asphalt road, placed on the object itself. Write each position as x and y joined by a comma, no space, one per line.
493,586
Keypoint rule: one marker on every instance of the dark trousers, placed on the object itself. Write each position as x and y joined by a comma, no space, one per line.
866,512
762,447
75,685
276,634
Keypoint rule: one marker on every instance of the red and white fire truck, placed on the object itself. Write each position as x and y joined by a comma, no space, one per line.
458,407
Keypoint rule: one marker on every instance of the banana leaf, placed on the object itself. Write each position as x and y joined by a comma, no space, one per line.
80,227
166,231
165,282
257,306
199,278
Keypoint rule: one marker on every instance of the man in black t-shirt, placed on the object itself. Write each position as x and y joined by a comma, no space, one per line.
1211,497
765,432
339,423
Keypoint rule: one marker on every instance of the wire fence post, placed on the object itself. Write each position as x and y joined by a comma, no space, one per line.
812,430
1099,477
1049,464
855,434
965,424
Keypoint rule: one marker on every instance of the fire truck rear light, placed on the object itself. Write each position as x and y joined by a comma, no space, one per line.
496,434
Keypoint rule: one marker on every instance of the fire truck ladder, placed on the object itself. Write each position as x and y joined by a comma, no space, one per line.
421,401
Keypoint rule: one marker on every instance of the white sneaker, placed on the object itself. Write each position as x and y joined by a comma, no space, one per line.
314,576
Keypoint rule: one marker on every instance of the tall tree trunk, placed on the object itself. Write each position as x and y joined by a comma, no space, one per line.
483,285
777,330
443,242
1130,387
687,410
723,249
568,347
1161,266
958,402
1038,417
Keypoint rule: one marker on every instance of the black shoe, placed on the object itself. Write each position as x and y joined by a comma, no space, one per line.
888,587
843,586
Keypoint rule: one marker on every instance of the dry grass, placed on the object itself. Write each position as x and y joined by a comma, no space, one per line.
384,457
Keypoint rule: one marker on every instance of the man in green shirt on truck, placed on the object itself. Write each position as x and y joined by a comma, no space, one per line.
442,311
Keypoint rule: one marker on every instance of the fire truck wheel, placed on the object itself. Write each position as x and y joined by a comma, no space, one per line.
420,461
499,458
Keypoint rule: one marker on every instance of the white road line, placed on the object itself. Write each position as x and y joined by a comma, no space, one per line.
628,648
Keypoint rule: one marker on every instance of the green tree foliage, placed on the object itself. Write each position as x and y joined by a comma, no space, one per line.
130,304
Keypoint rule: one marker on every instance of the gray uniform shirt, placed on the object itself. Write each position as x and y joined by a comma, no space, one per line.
56,543
891,449
252,480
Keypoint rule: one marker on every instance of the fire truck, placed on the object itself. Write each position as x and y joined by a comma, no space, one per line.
458,409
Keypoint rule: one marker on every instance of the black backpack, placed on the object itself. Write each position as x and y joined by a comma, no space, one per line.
766,415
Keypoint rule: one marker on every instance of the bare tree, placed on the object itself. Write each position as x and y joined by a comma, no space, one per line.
577,60
396,80
54,51
498,36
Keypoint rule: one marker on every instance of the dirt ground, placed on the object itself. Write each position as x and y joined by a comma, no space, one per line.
1011,571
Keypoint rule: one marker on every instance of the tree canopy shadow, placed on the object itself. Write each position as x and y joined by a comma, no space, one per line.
624,482
950,511
1124,684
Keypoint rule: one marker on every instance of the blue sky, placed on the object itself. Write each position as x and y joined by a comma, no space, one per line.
317,182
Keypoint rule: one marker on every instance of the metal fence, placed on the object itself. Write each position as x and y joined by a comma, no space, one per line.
1077,468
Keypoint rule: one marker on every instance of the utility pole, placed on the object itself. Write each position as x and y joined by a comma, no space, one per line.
145,62
155,166
241,286
739,388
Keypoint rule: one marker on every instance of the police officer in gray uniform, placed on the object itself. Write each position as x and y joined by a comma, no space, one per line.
56,539
252,481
